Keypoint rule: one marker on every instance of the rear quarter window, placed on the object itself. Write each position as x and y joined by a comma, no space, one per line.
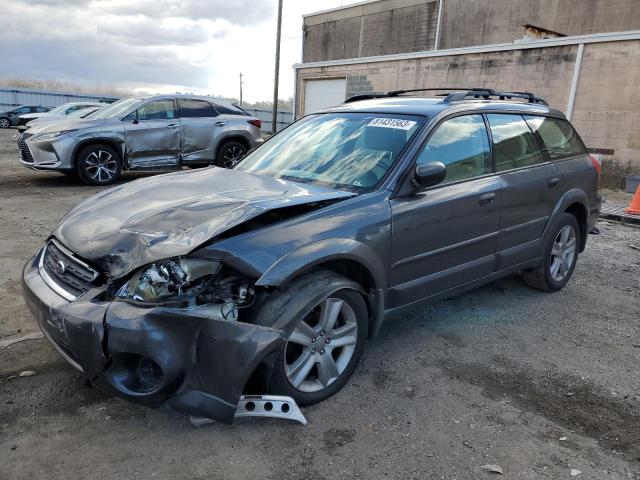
558,136
227,111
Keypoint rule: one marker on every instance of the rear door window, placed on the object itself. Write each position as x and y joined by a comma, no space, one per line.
462,144
559,138
196,109
514,145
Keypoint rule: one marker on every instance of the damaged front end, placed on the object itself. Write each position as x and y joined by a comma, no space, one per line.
171,334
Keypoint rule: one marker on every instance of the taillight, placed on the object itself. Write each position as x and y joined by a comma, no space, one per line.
255,123
596,164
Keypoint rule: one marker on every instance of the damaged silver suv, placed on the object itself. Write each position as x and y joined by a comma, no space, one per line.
142,133
205,291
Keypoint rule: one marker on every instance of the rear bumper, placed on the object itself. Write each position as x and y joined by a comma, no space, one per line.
179,358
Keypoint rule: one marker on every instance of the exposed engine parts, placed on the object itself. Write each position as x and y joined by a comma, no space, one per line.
188,282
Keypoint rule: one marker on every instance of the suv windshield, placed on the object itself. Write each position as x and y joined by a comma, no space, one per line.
353,151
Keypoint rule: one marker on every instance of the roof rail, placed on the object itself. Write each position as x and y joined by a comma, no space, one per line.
457,94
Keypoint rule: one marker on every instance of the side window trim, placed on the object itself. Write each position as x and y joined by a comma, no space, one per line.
490,136
538,139
541,148
544,147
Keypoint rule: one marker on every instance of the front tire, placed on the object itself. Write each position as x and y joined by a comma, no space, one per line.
230,153
560,256
98,165
327,330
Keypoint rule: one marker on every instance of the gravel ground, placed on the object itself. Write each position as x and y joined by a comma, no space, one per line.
538,384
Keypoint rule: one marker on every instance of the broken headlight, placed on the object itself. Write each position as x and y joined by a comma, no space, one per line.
170,280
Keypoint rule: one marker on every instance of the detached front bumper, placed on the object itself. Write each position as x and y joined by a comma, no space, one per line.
180,358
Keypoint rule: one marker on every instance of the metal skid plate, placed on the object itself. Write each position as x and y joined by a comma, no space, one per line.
270,406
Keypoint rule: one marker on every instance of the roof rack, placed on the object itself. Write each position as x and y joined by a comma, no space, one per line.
458,94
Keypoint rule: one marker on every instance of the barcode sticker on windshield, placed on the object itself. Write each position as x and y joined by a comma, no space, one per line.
391,123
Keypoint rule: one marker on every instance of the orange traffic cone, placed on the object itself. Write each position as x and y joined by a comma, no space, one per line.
634,206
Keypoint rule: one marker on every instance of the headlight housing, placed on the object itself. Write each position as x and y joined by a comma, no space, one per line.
52,135
170,280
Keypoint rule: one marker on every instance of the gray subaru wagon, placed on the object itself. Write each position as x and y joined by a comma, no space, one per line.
250,291
142,133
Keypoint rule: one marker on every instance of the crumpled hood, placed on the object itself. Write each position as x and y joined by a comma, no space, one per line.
168,215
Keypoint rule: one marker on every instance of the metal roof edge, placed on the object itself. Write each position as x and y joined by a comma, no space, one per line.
498,47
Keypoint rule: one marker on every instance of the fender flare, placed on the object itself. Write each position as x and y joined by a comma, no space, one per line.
302,259
569,198
315,253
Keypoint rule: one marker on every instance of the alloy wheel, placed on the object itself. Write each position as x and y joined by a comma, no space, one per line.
563,252
232,155
101,166
4,123
321,346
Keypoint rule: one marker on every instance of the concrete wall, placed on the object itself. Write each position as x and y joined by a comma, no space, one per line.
399,26
379,28
607,106
483,22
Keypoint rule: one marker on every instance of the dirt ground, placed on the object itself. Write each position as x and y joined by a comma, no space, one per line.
538,384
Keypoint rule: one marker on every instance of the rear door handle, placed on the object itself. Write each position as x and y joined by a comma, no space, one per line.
220,124
487,199
553,181
173,125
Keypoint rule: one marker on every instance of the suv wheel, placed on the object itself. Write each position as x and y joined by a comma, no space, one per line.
230,153
560,257
4,123
98,165
327,333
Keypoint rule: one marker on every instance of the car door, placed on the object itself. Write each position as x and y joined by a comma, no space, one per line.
202,131
531,187
152,135
445,236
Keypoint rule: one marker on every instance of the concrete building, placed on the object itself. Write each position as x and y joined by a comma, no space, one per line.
583,56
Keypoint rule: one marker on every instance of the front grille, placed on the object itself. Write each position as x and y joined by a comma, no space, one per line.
67,275
25,153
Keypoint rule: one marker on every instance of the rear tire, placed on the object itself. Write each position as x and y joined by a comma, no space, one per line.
98,165
326,319
560,256
230,153
4,123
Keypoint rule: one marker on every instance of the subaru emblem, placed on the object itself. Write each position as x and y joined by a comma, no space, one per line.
60,267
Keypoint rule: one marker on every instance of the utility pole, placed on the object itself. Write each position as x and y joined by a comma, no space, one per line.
240,88
274,117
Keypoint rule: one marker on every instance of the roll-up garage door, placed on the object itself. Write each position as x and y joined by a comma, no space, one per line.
319,94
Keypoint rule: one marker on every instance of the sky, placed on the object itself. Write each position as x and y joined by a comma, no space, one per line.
155,46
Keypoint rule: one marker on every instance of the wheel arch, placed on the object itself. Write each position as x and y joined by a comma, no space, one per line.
233,137
576,203
115,144
579,211
350,258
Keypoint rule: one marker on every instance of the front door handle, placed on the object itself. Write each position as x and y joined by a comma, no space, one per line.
173,125
553,181
487,199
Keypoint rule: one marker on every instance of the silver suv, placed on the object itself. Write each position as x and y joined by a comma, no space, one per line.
142,133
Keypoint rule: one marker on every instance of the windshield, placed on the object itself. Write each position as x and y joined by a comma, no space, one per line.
84,113
117,109
352,151
59,109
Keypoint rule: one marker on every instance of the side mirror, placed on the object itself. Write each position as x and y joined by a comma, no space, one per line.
429,174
